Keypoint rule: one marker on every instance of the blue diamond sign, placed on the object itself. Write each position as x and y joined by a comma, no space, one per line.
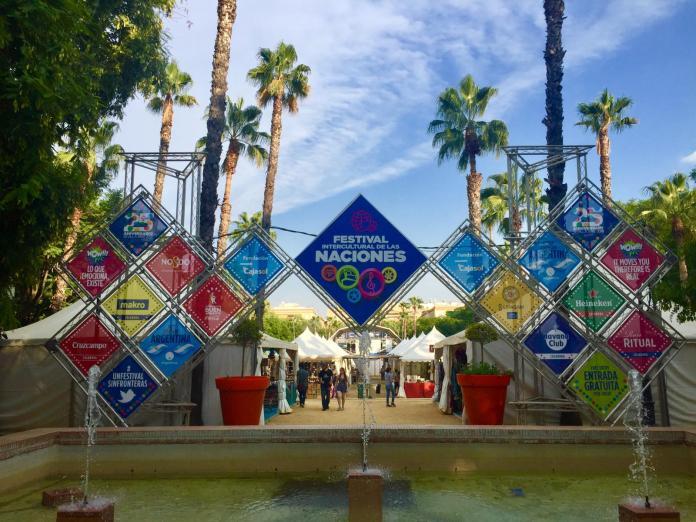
253,265
555,343
170,345
127,386
360,260
137,227
549,260
587,221
469,262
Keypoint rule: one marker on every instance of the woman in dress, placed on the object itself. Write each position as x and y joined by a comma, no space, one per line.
341,389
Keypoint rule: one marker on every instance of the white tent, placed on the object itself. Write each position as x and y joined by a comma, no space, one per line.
312,348
444,351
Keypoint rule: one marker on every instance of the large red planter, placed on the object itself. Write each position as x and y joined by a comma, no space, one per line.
413,390
241,399
428,389
484,397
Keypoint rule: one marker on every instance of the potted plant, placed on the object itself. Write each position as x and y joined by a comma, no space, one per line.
484,386
241,397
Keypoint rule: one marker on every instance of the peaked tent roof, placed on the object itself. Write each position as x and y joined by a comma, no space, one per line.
313,347
402,349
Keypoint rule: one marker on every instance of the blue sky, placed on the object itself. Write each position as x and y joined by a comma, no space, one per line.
377,68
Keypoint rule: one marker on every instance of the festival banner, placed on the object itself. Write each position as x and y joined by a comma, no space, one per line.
640,341
175,266
253,265
170,345
593,301
549,261
632,260
132,305
96,266
127,386
89,344
212,304
469,262
556,343
137,227
511,302
587,221
600,383
360,260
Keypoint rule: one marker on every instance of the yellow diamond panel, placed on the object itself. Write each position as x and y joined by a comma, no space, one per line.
133,305
511,302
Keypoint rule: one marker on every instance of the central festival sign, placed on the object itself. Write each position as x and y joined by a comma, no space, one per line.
360,260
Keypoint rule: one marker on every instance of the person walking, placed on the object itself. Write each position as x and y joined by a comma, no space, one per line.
302,383
389,382
341,384
325,378
397,382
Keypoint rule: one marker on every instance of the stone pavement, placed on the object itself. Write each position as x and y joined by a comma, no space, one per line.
407,411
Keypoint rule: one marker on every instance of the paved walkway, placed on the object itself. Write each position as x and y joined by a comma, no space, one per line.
407,411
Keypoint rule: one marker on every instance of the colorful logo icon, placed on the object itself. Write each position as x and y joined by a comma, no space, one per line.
170,345
640,341
96,266
362,221
632,260
556,343
212,304
587,221
593,301
89,344
137,227
328,273
549,261
371,283
127,386
132,305
511,302
347,277
175,266
469,262
253,265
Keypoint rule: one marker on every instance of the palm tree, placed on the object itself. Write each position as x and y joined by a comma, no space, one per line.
246,222
403,317
605,113
166,92
227,13
416,305
459,134
281,82
89,150
672,201
496,203
244,139
553,57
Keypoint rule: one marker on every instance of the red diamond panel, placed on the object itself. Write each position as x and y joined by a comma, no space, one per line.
89,343
212,305
632,259
640,342
175,266
96,266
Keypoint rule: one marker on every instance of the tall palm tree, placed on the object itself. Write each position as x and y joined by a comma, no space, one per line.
459,134
605,113
167,91
244,139
553,57
416,305
496,203
227,13
246,222
673,201
280,82
100,159
403,317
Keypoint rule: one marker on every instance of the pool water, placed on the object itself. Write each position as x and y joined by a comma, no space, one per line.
443,497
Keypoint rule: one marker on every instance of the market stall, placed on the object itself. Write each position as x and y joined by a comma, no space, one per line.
416,364
446,353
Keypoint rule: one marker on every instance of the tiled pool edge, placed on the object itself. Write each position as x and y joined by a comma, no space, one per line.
29,441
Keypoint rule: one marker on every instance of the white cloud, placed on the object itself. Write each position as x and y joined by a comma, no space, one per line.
377,67
689,159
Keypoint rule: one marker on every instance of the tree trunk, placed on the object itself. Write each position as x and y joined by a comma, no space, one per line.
473,192
678,233
165,139
230,166
59,297
604,165
553,56
227,12
271,171
516,221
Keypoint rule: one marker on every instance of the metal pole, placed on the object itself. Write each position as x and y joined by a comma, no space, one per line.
183,203
132,180
510,200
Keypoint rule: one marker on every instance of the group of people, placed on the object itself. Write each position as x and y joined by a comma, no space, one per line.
330,384
334,384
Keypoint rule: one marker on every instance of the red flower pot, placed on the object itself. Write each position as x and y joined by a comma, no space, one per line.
241,399
484,397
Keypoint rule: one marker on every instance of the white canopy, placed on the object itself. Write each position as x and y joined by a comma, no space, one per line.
403,348
36,334
420,350
314,348
271,342
452,340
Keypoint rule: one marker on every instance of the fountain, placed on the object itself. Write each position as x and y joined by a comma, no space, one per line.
640,470
88,509
365,485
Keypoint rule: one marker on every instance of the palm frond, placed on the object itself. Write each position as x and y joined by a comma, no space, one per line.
156,104
185,100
